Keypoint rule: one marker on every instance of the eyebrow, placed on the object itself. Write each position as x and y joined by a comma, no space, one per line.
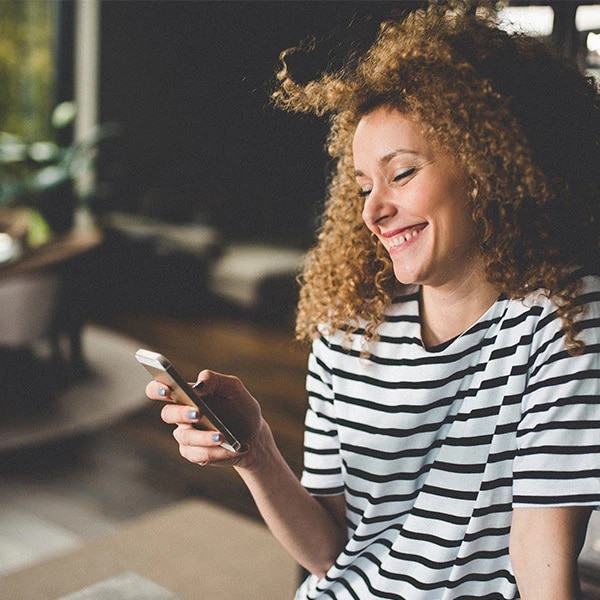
387,158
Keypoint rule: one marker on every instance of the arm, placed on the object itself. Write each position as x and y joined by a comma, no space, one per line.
312,530
544,547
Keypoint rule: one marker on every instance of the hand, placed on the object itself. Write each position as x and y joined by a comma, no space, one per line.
241,411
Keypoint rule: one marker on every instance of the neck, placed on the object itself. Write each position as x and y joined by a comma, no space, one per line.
448,312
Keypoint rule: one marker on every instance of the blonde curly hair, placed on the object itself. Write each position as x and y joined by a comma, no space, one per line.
523,123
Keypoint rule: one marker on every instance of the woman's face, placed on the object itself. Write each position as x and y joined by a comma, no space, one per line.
416,201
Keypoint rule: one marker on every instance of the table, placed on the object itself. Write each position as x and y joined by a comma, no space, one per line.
59,251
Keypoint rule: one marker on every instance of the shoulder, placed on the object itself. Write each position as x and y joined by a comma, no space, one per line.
544,305
589,294
538,321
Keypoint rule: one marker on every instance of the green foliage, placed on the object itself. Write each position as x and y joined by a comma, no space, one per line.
27,49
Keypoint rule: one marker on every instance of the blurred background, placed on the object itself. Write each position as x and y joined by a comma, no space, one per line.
151,196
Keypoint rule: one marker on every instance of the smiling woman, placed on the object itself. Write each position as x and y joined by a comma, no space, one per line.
411,192
481,109
453,304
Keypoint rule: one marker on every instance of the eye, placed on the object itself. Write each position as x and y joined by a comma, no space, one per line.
364,185
404,174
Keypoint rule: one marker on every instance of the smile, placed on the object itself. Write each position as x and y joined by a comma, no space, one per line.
400,239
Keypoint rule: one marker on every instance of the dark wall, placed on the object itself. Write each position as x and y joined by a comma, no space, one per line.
189,82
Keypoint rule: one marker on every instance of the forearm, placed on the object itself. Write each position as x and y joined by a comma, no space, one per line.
544,548
543,577
310,533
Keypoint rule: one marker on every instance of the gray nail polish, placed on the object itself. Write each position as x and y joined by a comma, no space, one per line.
192,414
162,391
216,437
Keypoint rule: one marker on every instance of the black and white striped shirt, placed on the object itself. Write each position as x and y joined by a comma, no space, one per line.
432,449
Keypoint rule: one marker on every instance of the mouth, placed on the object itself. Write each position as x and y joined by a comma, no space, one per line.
399,238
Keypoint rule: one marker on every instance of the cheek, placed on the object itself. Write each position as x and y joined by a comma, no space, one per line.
462,227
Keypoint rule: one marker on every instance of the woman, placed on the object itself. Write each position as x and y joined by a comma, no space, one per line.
453,302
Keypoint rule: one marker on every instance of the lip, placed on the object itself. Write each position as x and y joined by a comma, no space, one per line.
400,238
403,235
404,230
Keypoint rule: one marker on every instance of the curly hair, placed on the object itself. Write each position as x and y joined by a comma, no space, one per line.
523,123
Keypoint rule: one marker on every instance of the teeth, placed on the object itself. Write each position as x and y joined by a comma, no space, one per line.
403,238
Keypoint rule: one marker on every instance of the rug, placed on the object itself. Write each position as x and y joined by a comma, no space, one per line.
112,388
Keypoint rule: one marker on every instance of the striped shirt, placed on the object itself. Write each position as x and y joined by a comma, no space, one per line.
433,449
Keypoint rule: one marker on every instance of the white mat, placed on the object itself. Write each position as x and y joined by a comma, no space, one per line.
114,388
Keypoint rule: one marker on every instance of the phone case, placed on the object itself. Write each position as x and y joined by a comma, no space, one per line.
163,371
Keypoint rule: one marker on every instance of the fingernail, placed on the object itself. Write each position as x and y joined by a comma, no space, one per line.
162,391
216,437
192,414
198,384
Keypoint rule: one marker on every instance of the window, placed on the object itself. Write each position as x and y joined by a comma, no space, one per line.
587,21
27,67
533,20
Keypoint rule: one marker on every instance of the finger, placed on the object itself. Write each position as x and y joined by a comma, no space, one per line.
158,391
201,447
203,456
190,436
211,382
179,413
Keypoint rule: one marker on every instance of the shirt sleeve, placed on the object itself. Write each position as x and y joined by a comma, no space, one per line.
558,438
322,474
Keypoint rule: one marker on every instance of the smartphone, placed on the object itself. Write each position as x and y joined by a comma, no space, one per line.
182,393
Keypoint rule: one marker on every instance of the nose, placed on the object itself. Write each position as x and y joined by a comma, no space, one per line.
377,208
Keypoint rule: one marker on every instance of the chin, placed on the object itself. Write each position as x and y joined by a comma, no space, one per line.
405,278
